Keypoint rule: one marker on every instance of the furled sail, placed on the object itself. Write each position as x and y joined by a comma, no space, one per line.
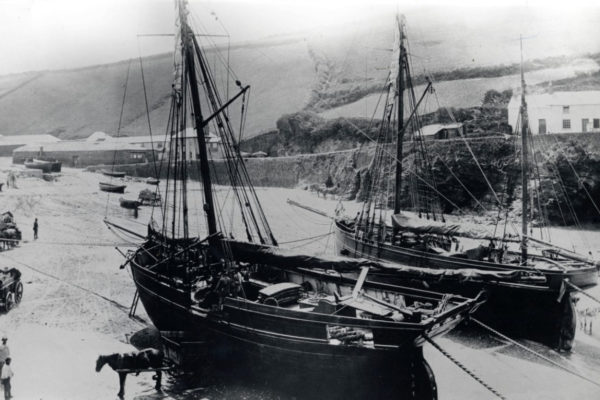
405,223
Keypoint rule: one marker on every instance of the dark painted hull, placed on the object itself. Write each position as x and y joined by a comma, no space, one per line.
107,187
294,341
114,174
45,167
129,204
543,312
55,166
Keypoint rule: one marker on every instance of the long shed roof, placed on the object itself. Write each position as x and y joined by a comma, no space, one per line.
82,145
12,140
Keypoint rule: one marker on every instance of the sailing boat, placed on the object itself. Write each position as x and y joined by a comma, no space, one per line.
539,309
250,303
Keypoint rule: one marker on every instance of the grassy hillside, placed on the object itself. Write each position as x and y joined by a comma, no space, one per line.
75,103
335,72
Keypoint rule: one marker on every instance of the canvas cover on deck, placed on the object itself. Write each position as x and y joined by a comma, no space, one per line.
286,258
420,226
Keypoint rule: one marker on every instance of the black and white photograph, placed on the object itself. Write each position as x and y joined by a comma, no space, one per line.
310,199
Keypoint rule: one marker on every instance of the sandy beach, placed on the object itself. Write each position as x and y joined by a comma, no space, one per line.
76,301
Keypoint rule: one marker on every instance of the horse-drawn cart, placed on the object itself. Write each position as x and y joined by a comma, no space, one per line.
10,235
11,288
148,197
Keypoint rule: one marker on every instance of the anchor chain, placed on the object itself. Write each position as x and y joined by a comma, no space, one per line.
464,368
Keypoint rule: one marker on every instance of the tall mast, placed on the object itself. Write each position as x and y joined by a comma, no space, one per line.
524,164
188,51
400,105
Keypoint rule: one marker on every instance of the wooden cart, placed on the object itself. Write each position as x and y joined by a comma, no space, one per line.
11,288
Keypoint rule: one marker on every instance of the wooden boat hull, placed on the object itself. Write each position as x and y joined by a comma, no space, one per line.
45,167
107,187
129,204
114,174
542,312
296,342
55,165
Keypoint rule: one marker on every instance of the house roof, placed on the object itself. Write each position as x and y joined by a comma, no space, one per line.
586,97
190,133
82,145
27,139
429,130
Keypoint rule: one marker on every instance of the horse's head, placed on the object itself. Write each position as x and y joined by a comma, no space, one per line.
100,363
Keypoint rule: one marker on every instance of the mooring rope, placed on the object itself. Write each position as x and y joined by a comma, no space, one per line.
90,244
543,357
100,296
583,292
308,238
464,368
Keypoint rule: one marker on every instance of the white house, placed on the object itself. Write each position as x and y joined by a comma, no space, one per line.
558,112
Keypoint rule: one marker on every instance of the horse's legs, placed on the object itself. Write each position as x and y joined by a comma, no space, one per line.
122,376
158,378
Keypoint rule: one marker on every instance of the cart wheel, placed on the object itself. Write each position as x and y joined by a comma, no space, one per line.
9,302
18,292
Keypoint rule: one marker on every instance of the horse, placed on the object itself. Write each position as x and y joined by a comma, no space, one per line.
9,237
136,361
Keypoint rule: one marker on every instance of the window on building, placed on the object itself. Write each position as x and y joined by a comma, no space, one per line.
596,123
566,109
159,145
542,126
137,156
566,124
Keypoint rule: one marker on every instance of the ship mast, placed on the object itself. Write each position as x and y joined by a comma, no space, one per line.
190,69
400,105
524,164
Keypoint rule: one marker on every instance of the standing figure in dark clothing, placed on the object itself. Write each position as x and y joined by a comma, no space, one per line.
35,229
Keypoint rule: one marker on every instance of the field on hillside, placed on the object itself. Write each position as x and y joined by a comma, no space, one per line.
466,93
288,73
72,271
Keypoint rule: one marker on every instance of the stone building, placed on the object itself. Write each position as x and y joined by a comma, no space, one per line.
558,112
81,153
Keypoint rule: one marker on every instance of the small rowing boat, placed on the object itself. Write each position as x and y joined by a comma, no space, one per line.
114,174
109,187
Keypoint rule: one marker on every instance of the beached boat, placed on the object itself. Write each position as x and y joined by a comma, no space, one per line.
543,311
109,187
251,304
114,174
45,166
55,165
129,204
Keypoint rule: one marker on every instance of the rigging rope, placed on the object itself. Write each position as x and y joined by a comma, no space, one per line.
581,291
100,296
512,341
118,131
579,180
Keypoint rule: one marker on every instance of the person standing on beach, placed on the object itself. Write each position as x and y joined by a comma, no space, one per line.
35,229
5,377
4,351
